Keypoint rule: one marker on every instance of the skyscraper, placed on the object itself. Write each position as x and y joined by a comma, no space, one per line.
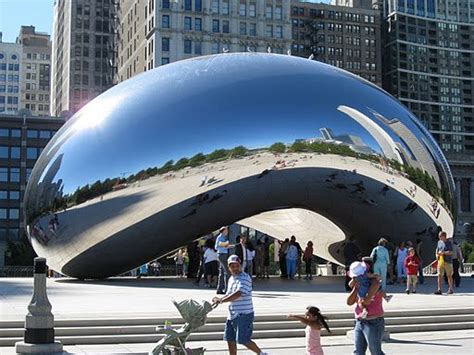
346,35
83,56
35,70
428,65
153,33
10,64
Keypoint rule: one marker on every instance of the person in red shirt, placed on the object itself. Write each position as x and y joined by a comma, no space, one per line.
412,262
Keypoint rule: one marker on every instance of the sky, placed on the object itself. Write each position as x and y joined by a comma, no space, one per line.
39,13
15,13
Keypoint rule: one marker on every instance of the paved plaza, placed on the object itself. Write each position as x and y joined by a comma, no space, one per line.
151,297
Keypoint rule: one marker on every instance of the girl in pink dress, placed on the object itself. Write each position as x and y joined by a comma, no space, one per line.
314,321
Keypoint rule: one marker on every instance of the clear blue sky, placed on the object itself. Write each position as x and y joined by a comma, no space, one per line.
15,13
39,13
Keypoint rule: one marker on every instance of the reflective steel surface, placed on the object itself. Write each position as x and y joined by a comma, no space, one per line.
283,143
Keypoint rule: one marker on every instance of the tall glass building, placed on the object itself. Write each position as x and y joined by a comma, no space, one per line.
428,65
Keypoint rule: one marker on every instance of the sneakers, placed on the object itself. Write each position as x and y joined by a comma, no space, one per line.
388,298
450,291
438,292
413,291
407,292
364,314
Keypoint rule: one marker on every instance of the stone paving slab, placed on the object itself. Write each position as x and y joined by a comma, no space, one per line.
151,297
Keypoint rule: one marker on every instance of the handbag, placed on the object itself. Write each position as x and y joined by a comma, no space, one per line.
374,258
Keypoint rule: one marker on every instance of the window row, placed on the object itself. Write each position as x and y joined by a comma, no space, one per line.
31,133
11,77
10,233
9,174
40,56
10,213
9,88
9,195
7,152
11,100
11,67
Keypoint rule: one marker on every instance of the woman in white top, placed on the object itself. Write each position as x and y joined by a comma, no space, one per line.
211,263
250,257
401,253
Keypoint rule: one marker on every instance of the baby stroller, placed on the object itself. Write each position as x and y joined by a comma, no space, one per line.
174,342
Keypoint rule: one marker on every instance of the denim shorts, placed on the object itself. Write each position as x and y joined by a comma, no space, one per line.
239,330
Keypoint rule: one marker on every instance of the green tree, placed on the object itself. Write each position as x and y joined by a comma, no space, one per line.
181,163
198,159
239,151
217,154
166,168
299,146
278,147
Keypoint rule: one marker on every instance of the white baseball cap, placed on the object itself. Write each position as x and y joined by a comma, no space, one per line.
233,259
357,268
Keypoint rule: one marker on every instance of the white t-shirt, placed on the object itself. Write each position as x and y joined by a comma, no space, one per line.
210,255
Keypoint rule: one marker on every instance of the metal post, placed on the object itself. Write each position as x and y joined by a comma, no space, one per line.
39,322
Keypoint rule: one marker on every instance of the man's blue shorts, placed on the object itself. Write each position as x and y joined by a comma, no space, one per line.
239,330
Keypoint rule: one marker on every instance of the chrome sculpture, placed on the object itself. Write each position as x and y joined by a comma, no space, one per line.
284,144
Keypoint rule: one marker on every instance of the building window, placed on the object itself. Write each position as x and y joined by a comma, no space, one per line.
15,152
215,25
31,153
14,174
215,6
253,29
13,213
198,48
187,46
198,24
215,50
166,5
225,7
187,24
165,21
278,13
269,12
3,213
4,152
45,134
269,31
243,29
4,174
225,26
165,44
252,10
187,5
243,8
14,195
198,5
3,195
4,132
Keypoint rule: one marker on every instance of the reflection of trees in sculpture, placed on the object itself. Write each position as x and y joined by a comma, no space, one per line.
99,188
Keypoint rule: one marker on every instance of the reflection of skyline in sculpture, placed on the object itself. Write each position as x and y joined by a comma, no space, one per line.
419,155
385,142
191,169
354,142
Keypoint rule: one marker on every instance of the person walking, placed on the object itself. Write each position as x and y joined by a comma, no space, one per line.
458,263
239,323
314,321
222,247
381,261
308,258
368,332
444,255
401,253
351,254
178,258
291,260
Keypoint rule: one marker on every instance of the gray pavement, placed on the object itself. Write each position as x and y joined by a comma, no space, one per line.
151,297
450,342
